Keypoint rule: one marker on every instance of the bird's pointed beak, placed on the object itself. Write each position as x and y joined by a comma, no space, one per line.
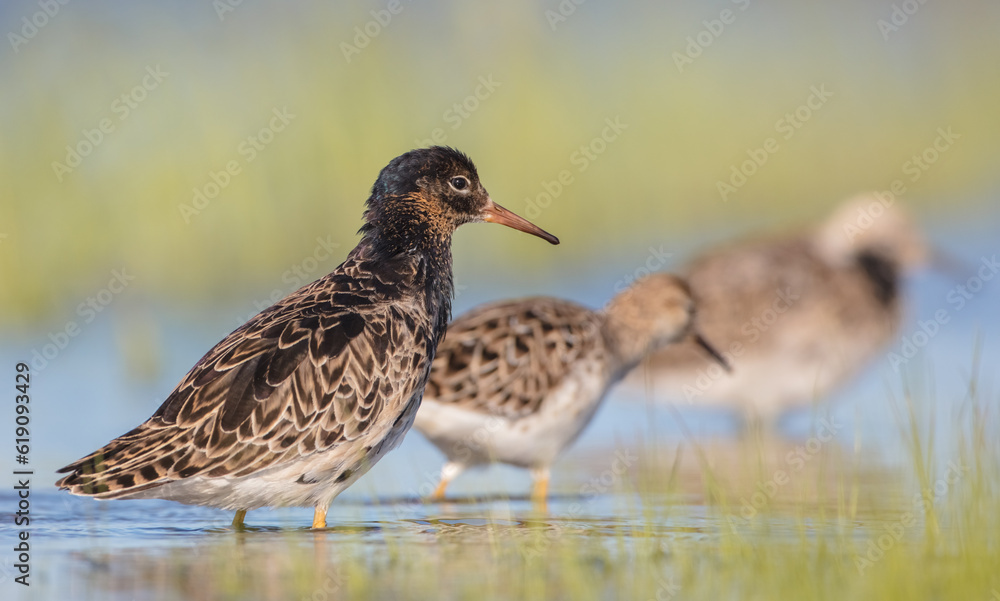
494,213
699,340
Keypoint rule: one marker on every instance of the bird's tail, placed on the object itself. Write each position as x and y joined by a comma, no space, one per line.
122,467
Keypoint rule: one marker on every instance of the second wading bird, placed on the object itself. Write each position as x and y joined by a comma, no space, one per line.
797,314
299,402
517,381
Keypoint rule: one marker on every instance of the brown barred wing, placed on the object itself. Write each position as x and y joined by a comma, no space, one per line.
505,358
311,374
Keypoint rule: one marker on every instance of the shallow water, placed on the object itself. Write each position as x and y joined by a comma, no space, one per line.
82,549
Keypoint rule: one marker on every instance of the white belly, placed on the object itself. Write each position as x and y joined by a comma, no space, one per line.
280,485
471,437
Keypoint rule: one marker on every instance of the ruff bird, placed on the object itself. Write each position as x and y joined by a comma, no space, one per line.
295,405
796,315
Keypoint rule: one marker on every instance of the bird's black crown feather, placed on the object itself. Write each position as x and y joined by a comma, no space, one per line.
401,175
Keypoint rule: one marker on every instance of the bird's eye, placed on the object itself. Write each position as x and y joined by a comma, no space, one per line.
459,183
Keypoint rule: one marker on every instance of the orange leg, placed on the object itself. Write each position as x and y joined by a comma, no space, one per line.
319,518
438,494
540,491
448,473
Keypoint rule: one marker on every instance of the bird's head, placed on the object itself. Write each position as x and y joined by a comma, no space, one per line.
873,224
422,196
654,312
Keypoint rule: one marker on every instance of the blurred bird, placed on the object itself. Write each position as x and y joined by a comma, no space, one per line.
299,402
517,381
796,315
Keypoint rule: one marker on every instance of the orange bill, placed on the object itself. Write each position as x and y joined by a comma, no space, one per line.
494,213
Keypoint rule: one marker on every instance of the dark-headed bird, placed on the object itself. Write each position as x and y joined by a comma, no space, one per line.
294,406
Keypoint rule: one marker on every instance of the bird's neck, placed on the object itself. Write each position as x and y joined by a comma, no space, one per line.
628,345
408,224
424,265
379,246
414,227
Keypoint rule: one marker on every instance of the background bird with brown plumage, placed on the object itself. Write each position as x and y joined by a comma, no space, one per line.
518,381
798,313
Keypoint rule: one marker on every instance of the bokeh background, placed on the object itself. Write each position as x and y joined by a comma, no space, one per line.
160,100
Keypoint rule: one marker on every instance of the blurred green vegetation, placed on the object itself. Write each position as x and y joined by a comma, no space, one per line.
657,180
